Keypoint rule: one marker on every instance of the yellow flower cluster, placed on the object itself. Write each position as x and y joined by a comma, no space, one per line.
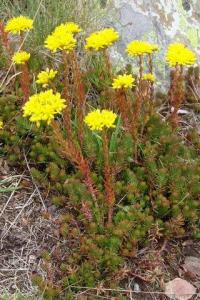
62,38
178,53
43,106
137,48
123,81
149,76
98,120
45,76
18,24
19,58
69,27
101,39
1,124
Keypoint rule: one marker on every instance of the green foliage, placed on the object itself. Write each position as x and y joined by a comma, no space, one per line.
161,187
98,78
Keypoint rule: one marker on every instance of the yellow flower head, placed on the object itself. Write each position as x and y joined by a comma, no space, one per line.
72,27
136,48
43,106
178,53
98,120
68,27
1,124
45,76
101,39
19,58
123,81
18,24
60,39
149,77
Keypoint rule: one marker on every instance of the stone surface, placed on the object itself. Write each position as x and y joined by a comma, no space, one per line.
192,265
161,22
179,289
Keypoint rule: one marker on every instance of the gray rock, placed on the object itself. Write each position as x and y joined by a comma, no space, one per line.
160,22
179,289
192,265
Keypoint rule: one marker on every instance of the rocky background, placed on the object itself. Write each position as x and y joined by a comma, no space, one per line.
158,21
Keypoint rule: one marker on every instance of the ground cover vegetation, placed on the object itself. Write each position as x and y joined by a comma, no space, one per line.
121,173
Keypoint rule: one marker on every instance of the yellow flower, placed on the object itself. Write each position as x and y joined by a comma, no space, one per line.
45,76
73,27
98,120
69,27
43,106
60,39
1,124
18,24
178,53
123,81
101,39
149,76
136,48
19,58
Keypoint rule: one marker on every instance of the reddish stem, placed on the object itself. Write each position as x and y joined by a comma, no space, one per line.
25,81
5,41
150,61
80,98
66,95
108,179
123,106
176,94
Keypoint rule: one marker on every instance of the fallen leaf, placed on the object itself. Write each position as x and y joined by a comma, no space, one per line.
179,289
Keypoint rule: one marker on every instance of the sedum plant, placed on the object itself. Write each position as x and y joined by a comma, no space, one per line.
178,56
118,170
19,26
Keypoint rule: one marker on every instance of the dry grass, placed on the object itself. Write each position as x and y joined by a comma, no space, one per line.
24,233
89,14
